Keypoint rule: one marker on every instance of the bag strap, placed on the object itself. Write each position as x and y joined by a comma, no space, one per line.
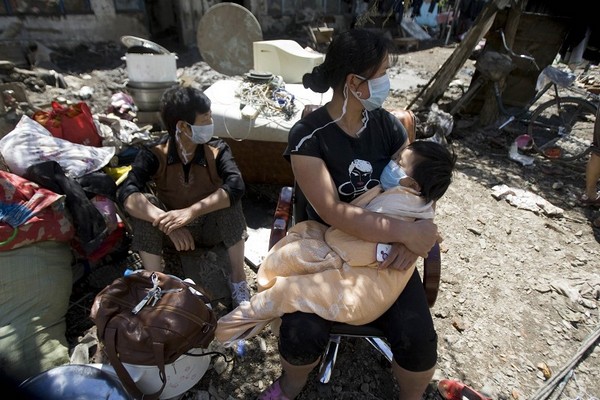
123,374
211,353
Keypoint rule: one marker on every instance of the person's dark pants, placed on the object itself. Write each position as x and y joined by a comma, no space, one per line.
227,226
407,325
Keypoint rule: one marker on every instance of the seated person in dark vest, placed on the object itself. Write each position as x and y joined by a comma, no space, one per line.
198,189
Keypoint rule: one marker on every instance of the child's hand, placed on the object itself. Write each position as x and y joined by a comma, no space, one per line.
399,258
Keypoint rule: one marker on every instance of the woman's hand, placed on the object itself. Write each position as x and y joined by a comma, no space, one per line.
169,221
399,257
182,239
422,236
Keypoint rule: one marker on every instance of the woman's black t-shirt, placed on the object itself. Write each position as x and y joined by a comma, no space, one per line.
355,164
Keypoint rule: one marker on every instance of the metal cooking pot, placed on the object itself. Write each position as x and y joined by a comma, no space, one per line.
148,67
150,85
148,99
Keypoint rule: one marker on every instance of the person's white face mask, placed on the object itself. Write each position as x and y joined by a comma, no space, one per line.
201,133
379,89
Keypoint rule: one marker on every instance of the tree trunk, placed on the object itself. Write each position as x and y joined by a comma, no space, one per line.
490,111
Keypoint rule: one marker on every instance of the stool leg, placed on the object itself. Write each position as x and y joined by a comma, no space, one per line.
329,358
381,346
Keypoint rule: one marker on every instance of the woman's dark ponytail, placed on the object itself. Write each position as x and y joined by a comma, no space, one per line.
316,80
357,51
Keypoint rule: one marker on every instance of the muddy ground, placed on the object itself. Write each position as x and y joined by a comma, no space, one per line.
519,289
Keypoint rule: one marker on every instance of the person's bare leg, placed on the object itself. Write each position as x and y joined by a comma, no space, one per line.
592,175
412,384
236,257
294,377
151,262
240,291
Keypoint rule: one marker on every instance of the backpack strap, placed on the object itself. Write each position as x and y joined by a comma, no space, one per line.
123,374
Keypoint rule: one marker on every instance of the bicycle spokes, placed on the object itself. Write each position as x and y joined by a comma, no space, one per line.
562,128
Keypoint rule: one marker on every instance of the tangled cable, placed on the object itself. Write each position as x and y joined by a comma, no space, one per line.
270,97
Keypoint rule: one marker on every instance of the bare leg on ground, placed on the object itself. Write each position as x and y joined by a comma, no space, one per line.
294,377
236,257
412,384
592,175
151,262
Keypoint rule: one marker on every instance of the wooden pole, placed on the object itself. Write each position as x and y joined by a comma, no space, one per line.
457,59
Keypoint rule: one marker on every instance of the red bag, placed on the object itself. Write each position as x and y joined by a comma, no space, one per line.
73,123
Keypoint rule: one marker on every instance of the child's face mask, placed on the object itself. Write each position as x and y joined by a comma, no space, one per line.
391,175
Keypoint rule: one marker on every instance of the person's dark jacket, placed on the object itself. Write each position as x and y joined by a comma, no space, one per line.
178,185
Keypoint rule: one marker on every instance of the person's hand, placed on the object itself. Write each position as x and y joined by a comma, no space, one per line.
423,236
399,257
169,221
182,239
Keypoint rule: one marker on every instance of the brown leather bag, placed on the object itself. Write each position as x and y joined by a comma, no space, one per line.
151,318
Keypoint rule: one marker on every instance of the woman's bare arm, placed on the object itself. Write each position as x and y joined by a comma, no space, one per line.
313,178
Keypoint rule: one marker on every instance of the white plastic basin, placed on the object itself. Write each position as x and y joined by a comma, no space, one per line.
182,374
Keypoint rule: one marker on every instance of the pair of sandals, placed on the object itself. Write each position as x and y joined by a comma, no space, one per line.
273,392
448,389
455,390
586,201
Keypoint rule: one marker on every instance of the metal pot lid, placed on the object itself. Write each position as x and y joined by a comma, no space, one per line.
134,41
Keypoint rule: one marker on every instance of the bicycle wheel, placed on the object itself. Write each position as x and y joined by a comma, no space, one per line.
563,128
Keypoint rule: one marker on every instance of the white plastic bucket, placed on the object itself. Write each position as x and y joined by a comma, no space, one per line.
182,374
148,67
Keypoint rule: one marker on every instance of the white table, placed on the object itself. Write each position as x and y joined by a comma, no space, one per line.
230,124
258,144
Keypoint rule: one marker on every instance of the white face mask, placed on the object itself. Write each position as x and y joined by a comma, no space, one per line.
201,133
379,88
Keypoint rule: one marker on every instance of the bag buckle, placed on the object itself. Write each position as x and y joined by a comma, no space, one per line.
154,295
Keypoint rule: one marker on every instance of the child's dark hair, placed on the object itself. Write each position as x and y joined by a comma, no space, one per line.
434,168
356,51
182,104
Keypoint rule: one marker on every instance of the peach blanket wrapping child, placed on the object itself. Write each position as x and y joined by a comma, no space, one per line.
317,269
